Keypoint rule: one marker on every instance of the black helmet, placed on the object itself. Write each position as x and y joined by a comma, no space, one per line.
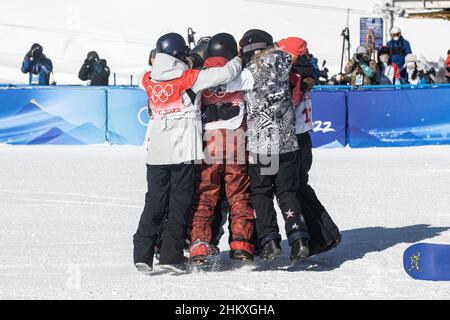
201,48
151,57
254,40
172,44
223,45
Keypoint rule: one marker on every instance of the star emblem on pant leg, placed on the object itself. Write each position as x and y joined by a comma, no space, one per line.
289,214
295,227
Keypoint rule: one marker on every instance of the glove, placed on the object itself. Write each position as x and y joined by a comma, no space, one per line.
307,85
195,61
367,71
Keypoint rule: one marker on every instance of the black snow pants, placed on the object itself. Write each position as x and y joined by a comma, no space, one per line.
323,231
172,187
284,185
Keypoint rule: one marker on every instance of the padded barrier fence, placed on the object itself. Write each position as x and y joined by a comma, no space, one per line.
373,116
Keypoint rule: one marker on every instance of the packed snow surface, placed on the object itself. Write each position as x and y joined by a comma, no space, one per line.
68,215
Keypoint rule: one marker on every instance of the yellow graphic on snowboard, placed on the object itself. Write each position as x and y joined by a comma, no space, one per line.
415,260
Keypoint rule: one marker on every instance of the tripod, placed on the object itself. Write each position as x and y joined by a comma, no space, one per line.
191,38
346,40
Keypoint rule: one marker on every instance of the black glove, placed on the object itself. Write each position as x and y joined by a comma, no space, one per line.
196,60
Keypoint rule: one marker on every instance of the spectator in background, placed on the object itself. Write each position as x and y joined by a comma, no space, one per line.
447,70
399,46
362,68
38,66
316,69
388,73
95,70
411,73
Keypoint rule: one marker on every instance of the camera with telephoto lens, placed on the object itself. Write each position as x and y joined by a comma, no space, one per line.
36,51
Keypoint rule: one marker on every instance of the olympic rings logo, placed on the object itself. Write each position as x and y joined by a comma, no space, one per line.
142,116
158,93
209,93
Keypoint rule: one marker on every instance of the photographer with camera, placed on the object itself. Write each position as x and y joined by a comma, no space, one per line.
95,70
38,66
362,68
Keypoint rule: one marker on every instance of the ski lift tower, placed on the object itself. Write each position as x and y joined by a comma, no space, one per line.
413,9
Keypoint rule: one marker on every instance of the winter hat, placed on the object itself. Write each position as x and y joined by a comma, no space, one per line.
410,58
384,50
254,40
362,50
296,47
93,55
396,30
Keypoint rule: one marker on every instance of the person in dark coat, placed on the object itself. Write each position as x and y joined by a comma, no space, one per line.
399,46
95,70
37,65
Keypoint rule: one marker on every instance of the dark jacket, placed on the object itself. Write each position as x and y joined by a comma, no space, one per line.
399,49
305,69
97,72
39,70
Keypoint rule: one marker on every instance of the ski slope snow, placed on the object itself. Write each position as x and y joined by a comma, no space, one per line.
68,215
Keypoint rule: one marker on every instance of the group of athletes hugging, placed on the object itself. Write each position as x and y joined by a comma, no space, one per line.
229,134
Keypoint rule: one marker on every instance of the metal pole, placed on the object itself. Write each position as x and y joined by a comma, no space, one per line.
391,15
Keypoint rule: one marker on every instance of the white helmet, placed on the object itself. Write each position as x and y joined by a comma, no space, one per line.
396,30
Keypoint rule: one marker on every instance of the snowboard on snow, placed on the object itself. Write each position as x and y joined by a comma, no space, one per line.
428,262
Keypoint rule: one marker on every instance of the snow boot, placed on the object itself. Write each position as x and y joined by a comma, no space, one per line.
271,250
176,268
144,268
199,252
299,250
215,251
241,255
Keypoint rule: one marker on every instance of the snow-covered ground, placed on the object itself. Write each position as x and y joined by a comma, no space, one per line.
68,215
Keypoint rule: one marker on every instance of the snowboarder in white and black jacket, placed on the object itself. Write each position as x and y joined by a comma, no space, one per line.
272,144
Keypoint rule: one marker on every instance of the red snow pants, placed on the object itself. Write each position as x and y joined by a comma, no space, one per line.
227,166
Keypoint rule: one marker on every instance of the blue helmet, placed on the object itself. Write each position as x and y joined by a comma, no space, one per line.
172,44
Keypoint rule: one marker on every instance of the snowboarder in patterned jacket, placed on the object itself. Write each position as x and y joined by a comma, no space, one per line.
225,164
175,143
324,234
272,144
